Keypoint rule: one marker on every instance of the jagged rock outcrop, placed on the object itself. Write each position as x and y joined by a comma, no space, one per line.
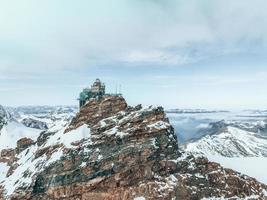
95,110
111,151
230,141
7,155
34,123
198,178
23,144
4,116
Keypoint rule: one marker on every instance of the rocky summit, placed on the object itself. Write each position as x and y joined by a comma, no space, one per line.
113,151
4,116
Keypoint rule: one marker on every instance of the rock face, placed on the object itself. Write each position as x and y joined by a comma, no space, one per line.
198,178
7,155
96,110
23,144
111,151
4,117
240,143
33,123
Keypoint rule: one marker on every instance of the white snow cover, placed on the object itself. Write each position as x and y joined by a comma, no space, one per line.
159,125
51,116
233,142
13,131
114,131
3,170
236,198
28,165
48,121
82,132
227,148
140,198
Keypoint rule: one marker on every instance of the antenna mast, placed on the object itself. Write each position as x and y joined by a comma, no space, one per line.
116,88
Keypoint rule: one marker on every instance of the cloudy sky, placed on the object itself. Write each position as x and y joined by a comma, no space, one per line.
175,53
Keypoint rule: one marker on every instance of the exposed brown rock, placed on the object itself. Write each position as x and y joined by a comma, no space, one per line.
132,152
201,178
96,109
23,144
7,153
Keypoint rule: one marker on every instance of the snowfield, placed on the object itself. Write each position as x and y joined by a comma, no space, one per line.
236,198
82,132
239,144
54,117
239,149
231,142
13,131
236,149
28,164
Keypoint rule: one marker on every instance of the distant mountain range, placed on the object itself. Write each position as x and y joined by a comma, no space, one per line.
238,145
109,150
42,109
230,140
4,116
194,111
29,121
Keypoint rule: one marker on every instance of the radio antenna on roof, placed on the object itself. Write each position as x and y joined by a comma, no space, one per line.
120,89
116,88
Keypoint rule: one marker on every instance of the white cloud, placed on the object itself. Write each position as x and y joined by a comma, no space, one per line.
45,36
155,57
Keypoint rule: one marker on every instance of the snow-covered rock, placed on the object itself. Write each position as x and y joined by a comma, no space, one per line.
113,151
34,123
238,145
30,123
13,131
194,111
4,116
38,110
230,142
44,117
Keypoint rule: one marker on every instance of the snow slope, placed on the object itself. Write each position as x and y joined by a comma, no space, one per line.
234,148
231,142
29,165
30,122
4,117
13,131
191,126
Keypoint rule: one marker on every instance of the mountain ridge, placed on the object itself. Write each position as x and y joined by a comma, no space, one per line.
229,140
113,151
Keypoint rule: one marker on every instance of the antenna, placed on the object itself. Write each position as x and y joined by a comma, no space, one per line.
116,88
120,89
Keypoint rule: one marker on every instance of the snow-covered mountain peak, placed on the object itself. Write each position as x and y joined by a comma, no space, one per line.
4,112
110,150
29,122
230,142
4,116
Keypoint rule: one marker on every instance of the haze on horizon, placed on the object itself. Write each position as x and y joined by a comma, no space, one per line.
175,53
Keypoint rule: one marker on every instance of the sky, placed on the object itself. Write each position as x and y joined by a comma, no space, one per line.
175,53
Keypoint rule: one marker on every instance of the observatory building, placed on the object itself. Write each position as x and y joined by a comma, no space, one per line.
97,90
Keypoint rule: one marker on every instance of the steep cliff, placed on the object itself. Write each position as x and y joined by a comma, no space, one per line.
4,117
113,151
34,123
